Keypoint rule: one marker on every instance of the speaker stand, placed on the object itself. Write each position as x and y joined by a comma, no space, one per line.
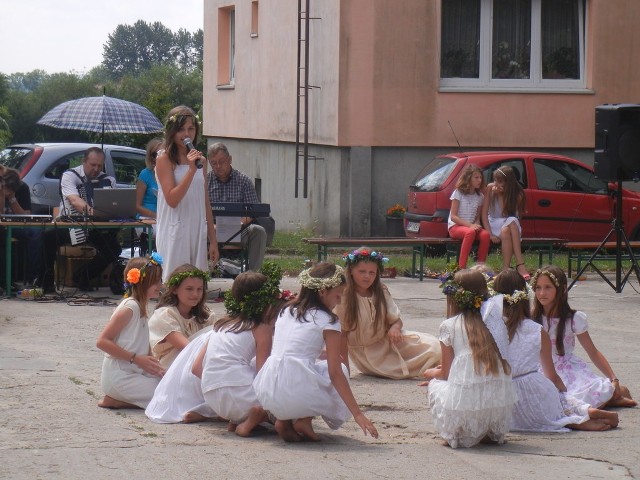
621,238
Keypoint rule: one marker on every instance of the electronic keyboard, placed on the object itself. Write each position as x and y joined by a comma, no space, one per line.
239,209
13,218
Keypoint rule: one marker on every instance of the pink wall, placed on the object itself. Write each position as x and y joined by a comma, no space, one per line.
377,65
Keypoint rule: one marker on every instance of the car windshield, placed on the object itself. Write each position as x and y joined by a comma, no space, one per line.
434,174
15,157
567,177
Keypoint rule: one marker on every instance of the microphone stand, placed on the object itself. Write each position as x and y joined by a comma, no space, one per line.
621,237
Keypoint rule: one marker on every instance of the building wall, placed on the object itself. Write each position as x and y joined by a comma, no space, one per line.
378,112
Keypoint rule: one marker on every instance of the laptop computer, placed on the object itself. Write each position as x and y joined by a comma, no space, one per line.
114,203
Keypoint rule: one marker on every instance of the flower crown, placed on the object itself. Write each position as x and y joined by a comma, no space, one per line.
516,296
286,295
177,278
177,118
539,272
464,299
314,283
134,275
362,255
254,303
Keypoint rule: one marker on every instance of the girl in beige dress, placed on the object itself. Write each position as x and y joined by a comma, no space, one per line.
370,319
181,314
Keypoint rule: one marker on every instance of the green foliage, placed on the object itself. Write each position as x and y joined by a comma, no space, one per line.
143,63
132,49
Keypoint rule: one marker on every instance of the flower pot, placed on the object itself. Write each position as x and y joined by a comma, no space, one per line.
395,226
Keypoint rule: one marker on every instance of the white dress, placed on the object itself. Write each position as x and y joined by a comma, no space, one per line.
540,405
468,406
126,381
581,382
182,231
292,384
228,370
497,220
179,391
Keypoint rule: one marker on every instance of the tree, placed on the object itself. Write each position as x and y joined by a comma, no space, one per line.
132,49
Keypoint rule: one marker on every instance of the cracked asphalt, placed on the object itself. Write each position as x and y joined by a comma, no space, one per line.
51,427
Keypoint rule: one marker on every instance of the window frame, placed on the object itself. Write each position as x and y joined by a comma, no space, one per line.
535,83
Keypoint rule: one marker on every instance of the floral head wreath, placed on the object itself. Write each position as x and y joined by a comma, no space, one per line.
364,254
286,295
178,118
314,283
135,275
464,299
516,296
177,278
253,304
551,276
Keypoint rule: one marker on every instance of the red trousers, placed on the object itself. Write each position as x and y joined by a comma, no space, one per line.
468,236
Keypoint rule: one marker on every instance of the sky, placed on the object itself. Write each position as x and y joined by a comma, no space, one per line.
69,35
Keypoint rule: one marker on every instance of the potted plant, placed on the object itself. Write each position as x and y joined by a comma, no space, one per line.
395,220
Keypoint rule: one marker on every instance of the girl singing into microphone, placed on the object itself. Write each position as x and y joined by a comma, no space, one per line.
184,218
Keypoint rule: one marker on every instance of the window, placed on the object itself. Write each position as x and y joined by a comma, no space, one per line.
226,45
518,169
567,177
512,44
126,166
254,18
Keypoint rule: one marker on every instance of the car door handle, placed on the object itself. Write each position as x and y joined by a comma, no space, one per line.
544,202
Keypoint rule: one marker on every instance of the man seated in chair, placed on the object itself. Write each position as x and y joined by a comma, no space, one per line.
76,189
229,185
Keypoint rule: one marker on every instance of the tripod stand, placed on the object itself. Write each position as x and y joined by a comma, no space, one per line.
621,238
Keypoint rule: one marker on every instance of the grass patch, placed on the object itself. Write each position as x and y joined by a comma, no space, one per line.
292,254
76,380
149,435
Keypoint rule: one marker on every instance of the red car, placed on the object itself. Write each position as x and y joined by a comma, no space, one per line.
564,197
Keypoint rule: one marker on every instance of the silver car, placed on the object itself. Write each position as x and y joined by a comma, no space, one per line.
41,166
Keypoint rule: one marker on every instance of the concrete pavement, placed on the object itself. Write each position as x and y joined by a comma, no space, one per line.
51,427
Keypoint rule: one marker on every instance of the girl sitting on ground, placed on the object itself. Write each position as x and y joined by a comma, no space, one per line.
130,373
370,319
181,313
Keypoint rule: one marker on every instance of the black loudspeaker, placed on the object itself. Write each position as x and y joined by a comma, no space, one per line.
617,152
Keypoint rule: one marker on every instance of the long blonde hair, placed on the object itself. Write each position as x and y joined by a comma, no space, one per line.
350,300
140,290
486,356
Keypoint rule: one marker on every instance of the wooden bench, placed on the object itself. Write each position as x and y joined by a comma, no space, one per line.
418,246
545,246
581,251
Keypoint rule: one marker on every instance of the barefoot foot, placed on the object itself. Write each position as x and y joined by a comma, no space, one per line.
592,425
286,431
304,427
193,417
256,415
231,427
622,402
610,418
110,402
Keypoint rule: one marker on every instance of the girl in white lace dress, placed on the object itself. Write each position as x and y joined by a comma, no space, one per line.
471,394
543,405
564,325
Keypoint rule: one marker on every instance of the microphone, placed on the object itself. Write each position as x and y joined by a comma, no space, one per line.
189,145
